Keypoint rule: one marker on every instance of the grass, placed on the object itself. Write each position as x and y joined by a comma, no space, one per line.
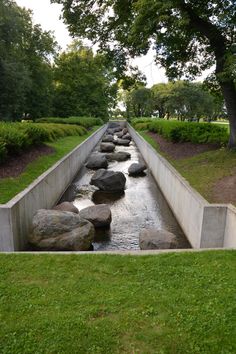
172,303
9,187
203,170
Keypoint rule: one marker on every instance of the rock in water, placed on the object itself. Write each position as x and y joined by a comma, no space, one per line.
122,142
136,169
108,138
97,161
127,137
107,147
118,156
55,230
66,206
119,134
98,215
109,180
151,239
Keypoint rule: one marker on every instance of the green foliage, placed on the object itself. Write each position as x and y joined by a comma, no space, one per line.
3,150
102,304
16,137
83,83
187,36
25,69
193,132
86,122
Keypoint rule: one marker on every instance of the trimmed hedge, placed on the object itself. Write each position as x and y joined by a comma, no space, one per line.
17,137
86,122
199,133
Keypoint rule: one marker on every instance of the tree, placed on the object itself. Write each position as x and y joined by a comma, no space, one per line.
161,94
141,102
188,35
190,101
83,83
25,68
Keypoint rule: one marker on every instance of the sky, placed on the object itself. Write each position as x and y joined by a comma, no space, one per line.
48,15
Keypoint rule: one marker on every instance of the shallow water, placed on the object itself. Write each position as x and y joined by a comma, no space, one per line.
141,206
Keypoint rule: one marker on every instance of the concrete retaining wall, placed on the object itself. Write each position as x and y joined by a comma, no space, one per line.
205,225
16,216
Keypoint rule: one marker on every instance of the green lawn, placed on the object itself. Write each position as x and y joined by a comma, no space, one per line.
171,303
203,170
9,187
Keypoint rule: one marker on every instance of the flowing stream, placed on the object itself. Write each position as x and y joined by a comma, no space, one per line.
141,206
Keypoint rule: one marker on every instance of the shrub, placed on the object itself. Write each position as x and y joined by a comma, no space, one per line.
199,133
86,122
3,150
16,137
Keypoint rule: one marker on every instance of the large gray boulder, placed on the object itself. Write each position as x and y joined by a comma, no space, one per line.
66,206
118,156
109,180
122,142
127,137
151,239
108,138
119,134
55,230
136,169
97,161
98,215
107,147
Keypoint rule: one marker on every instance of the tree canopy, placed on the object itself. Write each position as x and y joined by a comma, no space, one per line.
25,69
83,83
187,35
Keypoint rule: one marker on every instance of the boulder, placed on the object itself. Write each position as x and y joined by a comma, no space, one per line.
136,169
110,131
127,137
151,239
108,138
122,142
66,206
98,215
55,230
97,161
118,156
119,134
125,131
107,147
109,180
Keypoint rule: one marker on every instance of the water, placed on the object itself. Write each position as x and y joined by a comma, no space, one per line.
141,206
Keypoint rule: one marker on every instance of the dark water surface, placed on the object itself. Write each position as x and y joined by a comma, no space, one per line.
141,206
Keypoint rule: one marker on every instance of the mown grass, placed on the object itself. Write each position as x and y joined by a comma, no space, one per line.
9,187
172,303
202,171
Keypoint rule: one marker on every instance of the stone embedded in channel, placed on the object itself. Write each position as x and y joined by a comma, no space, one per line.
109,180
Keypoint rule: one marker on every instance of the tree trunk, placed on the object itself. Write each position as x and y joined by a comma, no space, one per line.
229,93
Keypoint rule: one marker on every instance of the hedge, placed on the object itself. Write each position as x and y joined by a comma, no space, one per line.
175,131
17,137
86,122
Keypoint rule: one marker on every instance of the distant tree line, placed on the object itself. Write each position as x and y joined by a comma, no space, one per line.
183,100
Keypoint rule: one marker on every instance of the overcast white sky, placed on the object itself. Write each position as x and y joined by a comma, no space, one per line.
48,15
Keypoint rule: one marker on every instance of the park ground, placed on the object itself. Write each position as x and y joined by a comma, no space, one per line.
170,303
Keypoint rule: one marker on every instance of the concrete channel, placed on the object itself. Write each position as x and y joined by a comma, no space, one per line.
184,210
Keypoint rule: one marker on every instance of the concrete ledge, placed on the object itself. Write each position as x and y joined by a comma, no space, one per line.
205,225
124,253
16,215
